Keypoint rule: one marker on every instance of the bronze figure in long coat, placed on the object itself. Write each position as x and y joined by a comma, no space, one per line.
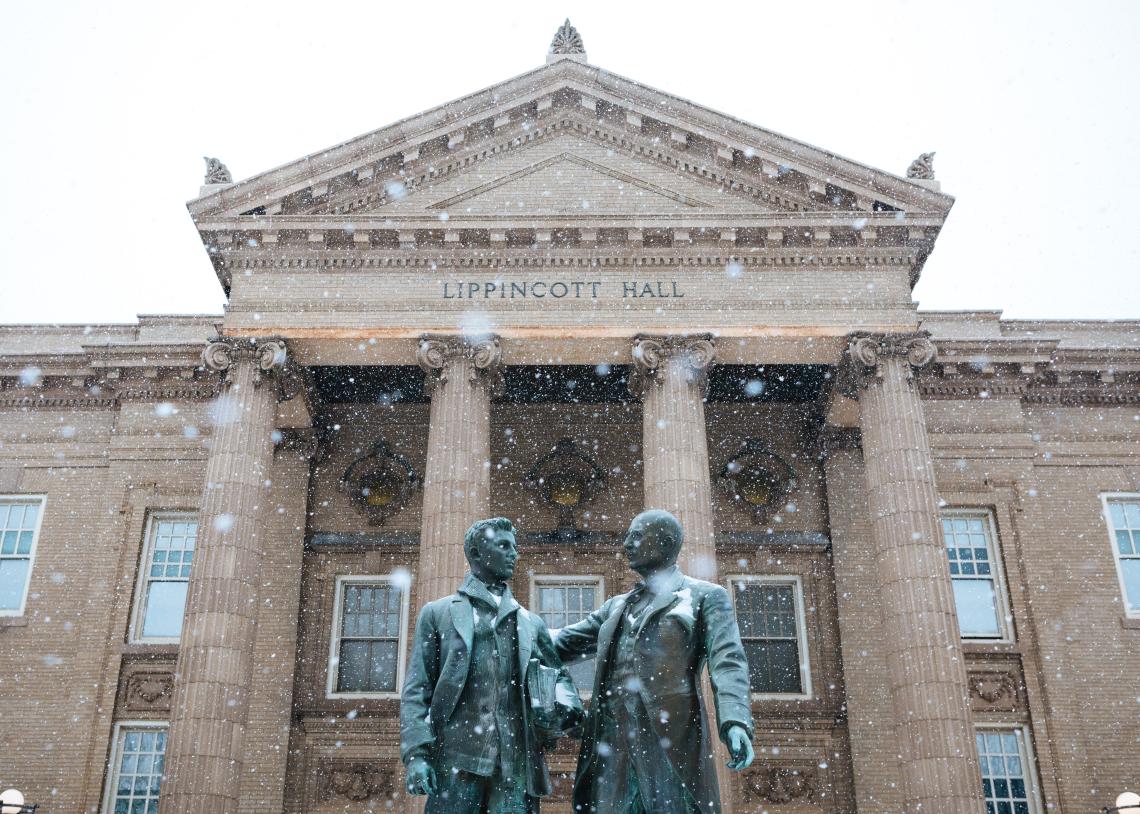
647,744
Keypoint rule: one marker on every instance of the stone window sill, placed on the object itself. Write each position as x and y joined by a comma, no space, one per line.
147,649
1130,622
13,621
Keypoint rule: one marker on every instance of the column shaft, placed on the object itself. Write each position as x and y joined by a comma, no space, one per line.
925,661
457,477
211,694
676,462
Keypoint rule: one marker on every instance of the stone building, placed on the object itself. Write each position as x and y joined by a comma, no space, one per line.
561,299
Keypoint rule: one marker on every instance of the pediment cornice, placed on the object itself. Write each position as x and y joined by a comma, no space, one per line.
558,89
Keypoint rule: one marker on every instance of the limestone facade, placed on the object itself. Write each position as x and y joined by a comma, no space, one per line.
569,255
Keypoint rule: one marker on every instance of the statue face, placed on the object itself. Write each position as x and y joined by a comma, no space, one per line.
650,542
495,555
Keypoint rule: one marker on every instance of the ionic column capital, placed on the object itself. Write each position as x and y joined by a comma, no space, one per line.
867,352
484,353
269,358
653,354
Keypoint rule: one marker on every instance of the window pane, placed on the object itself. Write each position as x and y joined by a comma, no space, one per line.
352,675
138,776
165,607
977,607
1004,780
773,666
562,605
13,581
1130,568
382,666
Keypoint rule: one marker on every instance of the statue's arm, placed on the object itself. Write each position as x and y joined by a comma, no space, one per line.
580,640
727,664
419,685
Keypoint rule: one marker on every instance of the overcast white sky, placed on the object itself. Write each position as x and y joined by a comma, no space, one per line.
109,107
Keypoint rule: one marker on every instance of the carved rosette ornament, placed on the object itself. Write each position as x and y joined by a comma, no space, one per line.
652,355
867,352
270,356
436,355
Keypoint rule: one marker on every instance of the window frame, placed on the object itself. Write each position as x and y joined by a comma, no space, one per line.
1006,630
540,580
1024,736
42,500
115,755
806,689
142,574
333,662
1105,499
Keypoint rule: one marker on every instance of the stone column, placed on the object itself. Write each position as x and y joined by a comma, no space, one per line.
925,662
462,376
209,708
670,375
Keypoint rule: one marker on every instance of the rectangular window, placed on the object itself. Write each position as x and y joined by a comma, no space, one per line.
1124,527
19,529
562,601
164,575
1007,771
975,572
136,769
770,613
367,650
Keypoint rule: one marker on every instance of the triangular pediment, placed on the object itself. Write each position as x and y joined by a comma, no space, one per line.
566,138
570,183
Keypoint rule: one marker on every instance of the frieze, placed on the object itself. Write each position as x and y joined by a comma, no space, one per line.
585,260
356,780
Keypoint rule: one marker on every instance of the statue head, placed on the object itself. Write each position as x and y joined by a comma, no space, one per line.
491,551
653,541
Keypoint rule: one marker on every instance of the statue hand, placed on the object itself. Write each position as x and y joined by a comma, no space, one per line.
740,747
421,777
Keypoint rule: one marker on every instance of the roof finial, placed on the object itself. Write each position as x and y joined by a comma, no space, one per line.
922,168
217,172
567,42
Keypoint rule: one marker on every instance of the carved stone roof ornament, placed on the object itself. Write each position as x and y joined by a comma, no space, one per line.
216,172
922,168
567,43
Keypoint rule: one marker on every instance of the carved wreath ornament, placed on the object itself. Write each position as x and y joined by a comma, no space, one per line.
780,785
356,781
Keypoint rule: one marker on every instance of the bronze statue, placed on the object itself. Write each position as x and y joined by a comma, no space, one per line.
484,691
646,747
